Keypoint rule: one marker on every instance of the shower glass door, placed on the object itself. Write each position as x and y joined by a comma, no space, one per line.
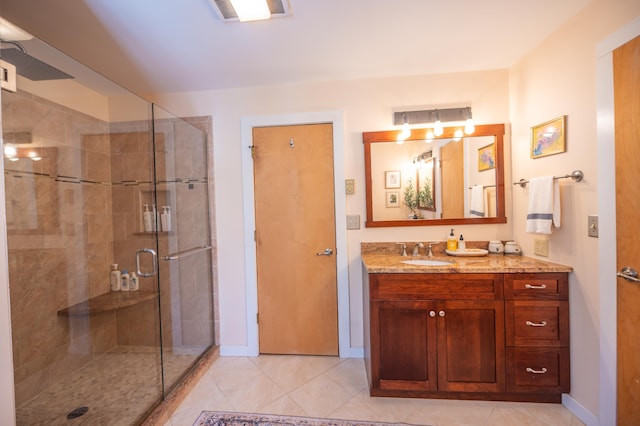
82,159
184,243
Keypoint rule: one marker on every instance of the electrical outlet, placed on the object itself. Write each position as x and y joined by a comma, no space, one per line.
592,222
350,186
541,247
353,221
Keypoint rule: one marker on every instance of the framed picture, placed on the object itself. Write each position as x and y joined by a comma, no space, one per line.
548,138
392,179
487,157
393,199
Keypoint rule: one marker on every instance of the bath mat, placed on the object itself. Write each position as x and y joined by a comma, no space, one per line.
221,418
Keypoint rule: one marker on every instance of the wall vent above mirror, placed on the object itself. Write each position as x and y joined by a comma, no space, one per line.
462,182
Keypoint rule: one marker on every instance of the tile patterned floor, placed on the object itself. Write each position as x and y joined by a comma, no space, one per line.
118,387
337,388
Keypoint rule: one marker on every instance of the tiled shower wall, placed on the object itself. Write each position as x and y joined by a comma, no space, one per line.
63,236
59,236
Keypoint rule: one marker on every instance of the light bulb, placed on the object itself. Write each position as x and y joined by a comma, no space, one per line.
438,130
457,135
10,151
400,139
469,127
406,131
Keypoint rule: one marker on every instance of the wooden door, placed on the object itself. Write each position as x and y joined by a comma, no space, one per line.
295,224
471,348
626,70
452,174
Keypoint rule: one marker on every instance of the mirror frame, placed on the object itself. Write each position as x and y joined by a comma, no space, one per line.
495,130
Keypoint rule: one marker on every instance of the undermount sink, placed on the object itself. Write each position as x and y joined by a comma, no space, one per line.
427,262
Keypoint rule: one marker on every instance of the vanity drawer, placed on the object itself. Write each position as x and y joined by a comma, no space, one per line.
435,286
537,323
538,370
552,286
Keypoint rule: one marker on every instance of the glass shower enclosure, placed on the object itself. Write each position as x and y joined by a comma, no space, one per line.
93,177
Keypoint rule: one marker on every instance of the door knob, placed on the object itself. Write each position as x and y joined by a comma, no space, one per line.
629,274
326,252
441,313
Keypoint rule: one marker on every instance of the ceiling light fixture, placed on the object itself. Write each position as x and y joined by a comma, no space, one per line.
251,10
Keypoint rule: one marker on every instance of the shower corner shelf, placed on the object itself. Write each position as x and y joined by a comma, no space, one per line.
111,301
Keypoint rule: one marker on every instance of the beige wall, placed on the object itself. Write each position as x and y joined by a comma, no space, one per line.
368,105
559,78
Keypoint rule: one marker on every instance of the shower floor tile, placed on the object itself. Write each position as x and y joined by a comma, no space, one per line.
118,387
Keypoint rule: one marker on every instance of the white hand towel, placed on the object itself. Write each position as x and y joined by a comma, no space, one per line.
544,205
477,201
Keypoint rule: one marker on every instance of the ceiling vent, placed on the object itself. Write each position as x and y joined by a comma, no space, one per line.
225,11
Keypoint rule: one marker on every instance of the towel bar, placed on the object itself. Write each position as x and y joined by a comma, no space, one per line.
576,175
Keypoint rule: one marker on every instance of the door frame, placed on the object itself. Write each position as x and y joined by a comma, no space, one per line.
607,219
342,262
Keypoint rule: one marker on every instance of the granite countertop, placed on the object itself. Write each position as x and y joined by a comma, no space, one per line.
379,258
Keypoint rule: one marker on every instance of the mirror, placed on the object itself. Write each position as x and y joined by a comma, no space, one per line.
444,181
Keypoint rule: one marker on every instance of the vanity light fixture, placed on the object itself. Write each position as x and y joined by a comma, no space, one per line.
437,117
457,135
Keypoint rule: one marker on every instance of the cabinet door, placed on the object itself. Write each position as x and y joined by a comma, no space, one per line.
471,349
405,345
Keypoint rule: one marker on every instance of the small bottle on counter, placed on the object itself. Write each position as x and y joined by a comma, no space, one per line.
126,281
452,243
115,278
461,244
134,284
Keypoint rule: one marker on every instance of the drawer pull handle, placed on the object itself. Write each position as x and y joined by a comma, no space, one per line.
531,370
536,324
542,286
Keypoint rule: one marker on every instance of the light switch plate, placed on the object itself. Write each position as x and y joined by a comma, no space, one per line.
350,186
592,223
541,247
353,221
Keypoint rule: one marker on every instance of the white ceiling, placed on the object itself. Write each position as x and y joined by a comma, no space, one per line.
155,46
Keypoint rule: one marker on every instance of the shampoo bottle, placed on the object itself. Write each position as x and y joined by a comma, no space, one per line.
452,243
165,219
134,284
126,281
146,217
461,244
115,278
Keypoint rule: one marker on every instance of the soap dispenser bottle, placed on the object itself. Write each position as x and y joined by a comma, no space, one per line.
452,243
165,219
115,278
146,217
461,244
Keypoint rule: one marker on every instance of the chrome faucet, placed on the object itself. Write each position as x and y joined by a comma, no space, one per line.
430,253
416,248
404,248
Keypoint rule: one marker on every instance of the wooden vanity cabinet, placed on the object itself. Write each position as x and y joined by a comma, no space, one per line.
435,333
467,336
537,332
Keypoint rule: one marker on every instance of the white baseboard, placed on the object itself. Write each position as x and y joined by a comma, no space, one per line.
579,411
231,350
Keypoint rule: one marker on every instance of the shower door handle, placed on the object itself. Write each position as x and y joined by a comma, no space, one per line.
154,260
